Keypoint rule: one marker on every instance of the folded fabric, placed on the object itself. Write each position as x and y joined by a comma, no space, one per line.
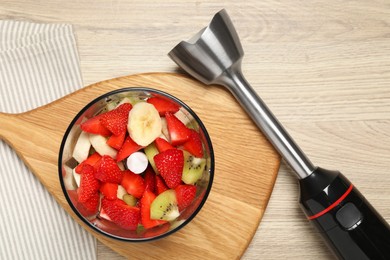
38,64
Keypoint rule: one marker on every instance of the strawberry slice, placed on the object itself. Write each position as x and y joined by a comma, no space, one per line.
89,185
87,208
103,214
178,132
109,190
146,200
121,214
162,145
91,205
91,160
116,120
150,182
133,183
128,147
160,184
94,126
116,141
170,166
108,170
185,194
163,105
193,206
194,144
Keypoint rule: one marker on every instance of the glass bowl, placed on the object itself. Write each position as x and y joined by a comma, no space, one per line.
97,219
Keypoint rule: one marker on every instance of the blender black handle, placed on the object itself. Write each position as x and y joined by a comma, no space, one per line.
351,227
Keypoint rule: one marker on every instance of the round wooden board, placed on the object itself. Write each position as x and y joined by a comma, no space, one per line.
246,165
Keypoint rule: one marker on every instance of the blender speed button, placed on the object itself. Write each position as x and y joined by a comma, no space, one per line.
349,216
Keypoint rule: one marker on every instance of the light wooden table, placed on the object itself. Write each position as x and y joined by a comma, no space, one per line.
323,67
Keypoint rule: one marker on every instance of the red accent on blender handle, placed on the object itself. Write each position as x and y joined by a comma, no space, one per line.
334,204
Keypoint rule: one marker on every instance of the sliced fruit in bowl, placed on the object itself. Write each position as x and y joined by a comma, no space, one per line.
143,164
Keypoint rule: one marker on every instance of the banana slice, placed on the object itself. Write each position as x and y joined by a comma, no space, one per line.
99,143
120,192
76,177
81,149
69,181
144,123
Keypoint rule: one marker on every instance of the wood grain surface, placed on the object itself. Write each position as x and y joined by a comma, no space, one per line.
243,179
321,66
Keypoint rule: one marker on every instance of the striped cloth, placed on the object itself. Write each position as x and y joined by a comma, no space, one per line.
38,64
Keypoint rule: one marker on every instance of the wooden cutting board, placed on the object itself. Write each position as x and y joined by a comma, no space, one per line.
246,165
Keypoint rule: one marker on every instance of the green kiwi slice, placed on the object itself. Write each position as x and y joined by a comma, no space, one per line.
164,206
150,151
129,200
193,168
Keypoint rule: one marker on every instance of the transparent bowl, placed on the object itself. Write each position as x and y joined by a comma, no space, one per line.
102,225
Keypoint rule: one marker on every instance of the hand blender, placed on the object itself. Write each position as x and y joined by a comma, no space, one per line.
351,227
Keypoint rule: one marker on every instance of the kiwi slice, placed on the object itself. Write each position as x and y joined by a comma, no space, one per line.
111,105
140,229
150,151
129,200
164,206
193,168
134,99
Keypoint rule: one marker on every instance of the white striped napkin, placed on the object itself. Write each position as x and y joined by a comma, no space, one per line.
38,64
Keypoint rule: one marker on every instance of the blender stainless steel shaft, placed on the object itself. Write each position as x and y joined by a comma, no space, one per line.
214,56
350,225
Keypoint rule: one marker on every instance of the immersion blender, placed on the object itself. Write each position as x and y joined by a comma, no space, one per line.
351,227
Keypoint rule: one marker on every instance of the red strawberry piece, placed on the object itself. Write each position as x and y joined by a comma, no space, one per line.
103,214
89,185
87,208
94,126
146,200
193,206
160,184
91,160
133,183
194,144
163,105
116,120
162,145
125,108
116,141
108,170
150,181
178,132
91,205
128,147
109,190
121,214
170,166
185,194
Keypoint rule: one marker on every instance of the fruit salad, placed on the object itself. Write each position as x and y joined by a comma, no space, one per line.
138,166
